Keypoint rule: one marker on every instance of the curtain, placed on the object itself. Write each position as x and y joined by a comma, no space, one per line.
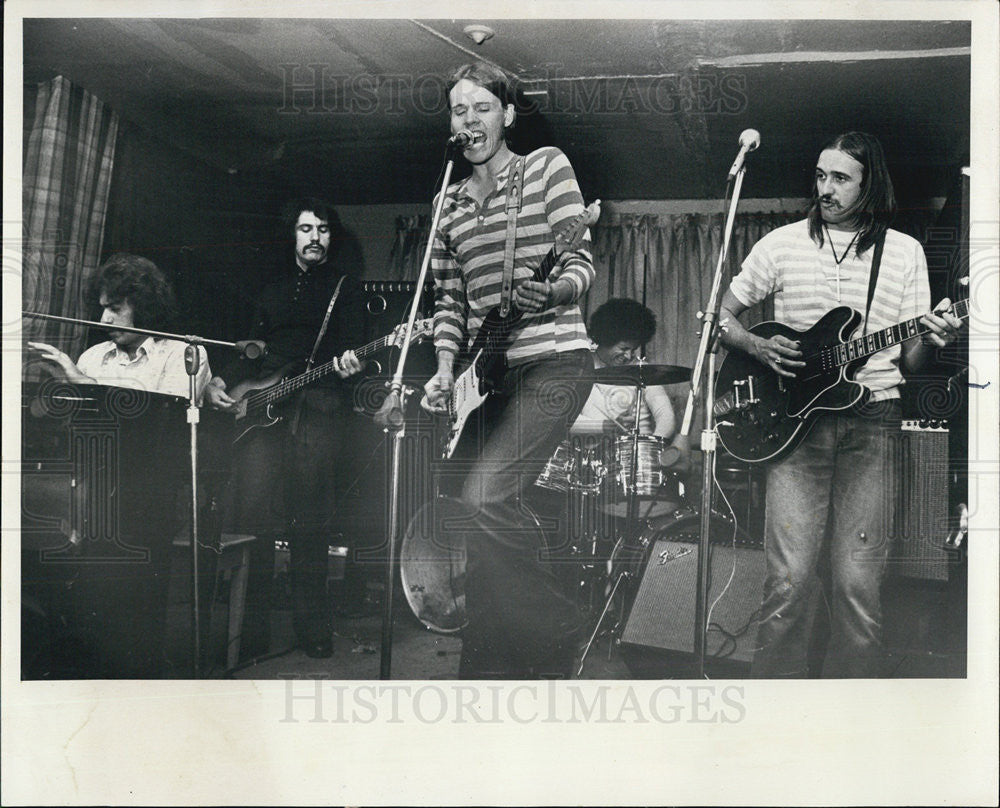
667,262
408,248
68,157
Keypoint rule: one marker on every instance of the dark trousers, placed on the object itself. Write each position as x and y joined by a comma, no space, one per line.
521,622
284,484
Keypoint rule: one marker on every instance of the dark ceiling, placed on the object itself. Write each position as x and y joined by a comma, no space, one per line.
645,109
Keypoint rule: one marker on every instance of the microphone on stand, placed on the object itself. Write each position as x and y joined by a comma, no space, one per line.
251,348
465,138
749,140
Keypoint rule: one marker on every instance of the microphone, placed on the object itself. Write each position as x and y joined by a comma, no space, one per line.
251,348
465,138
749,140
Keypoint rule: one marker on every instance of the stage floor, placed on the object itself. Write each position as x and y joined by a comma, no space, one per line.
924,631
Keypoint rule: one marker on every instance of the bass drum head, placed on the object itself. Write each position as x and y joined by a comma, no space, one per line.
432,565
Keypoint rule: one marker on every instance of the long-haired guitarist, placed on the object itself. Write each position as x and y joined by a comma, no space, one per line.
519,623
284,477
830,493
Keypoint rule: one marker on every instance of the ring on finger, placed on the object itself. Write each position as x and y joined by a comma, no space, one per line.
777,360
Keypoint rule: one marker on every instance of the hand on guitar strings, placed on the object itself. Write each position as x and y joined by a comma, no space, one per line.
779,353
437,392
347,364
216,396
944,326
535,296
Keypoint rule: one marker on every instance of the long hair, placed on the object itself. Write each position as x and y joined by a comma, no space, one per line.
876,203
140,283
622,319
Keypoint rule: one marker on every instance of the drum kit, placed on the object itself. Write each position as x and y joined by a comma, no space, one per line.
615,495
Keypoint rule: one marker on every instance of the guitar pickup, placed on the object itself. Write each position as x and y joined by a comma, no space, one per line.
744,394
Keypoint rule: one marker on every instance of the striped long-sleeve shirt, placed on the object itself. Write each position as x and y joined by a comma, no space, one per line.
468,253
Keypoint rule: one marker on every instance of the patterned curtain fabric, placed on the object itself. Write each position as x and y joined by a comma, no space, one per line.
68,158
408,248
668,262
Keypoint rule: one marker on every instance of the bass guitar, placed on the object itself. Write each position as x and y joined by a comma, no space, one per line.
257,399
763,416
485,360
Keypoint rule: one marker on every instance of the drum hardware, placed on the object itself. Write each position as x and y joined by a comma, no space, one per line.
642,375
573,468
636,374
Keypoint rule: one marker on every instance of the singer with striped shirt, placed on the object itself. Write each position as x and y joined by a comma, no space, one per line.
520,624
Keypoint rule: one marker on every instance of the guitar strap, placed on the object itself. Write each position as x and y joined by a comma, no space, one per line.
326,322
873,277
294,423
515,182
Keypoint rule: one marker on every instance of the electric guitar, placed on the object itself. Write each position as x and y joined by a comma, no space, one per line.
764,416
257,398
485,360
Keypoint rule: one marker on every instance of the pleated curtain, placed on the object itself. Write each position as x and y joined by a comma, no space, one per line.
68,158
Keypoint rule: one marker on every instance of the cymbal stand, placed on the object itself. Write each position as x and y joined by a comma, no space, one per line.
632,484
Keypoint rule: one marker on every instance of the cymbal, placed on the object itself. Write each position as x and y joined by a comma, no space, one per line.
642,375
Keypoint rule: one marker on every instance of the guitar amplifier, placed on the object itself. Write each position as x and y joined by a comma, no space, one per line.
918,465
362,518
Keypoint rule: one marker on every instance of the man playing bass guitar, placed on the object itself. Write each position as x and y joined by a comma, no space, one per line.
284,477
520,624
830,491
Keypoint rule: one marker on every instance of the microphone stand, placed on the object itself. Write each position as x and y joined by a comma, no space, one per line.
711,332
192,362
391,418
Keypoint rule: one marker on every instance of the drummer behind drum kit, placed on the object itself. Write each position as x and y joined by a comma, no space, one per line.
620,501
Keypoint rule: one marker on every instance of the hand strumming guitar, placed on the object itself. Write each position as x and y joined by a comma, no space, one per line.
437,391
535,296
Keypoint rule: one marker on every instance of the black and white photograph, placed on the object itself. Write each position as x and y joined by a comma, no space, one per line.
576,404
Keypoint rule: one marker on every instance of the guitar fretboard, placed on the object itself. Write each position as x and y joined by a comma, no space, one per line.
276,392
839,355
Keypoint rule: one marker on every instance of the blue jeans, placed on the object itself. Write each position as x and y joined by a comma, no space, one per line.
521,624
831,491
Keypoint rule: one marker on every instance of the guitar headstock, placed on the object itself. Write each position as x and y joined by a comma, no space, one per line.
572,235
422,329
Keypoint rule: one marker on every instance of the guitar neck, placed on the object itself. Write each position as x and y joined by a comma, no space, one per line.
869,344
541,273
285,388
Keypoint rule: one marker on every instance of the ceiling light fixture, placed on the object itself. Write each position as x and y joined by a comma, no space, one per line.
478,33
